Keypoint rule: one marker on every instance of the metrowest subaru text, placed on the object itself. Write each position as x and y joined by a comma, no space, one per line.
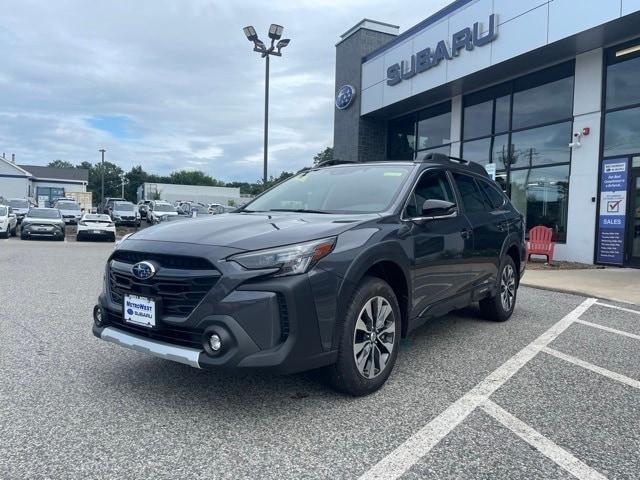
327,269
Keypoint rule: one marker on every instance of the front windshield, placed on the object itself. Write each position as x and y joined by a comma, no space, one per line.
43,213
3,211
18,203
68,206
123,206
348,189
159,207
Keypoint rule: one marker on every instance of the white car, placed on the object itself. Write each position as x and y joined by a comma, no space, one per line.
159,209
8,222
96,225
69,209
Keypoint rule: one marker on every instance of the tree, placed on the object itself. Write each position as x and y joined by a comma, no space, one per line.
134,178
61,164
323,156
194,177
112,180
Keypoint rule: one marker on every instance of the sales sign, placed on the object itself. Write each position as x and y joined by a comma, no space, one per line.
611,218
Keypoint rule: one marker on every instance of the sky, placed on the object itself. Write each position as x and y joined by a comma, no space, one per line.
174,84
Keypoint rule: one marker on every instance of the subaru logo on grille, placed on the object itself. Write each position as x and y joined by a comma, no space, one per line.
143,270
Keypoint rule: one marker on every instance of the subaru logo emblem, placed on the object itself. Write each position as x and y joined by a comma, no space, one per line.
143,270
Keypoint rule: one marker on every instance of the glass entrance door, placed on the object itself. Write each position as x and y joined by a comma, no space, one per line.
633,217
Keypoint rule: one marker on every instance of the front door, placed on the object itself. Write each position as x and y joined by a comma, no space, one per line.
633,220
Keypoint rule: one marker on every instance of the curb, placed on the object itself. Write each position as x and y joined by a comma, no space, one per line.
576,292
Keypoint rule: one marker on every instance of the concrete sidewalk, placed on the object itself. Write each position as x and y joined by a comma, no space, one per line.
620,284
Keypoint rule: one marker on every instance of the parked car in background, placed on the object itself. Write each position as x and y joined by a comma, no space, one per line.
42,223
125,213
96,226
159,208
143,208
20,207
215,209
8,222
69,209
105,206
188,207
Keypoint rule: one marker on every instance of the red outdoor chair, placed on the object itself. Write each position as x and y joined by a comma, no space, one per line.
540,243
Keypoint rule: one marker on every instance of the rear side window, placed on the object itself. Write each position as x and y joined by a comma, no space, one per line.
433,185
472,198
493,193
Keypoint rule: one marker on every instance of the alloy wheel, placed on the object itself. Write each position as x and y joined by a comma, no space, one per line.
507,288
374,337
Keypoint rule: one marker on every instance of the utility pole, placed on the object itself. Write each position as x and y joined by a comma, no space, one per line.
122,196
266,120
102,150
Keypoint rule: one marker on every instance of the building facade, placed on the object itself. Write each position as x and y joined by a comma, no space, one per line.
546,94
41,184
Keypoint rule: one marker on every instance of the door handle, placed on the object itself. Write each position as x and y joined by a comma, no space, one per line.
466,233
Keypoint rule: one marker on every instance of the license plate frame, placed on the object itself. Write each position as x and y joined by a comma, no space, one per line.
139,310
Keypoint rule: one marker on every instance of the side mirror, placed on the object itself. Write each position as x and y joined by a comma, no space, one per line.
438,208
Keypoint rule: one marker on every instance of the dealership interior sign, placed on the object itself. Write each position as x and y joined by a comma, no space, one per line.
611,218
422,61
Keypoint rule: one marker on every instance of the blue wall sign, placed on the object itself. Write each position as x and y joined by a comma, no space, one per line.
345,97
612,215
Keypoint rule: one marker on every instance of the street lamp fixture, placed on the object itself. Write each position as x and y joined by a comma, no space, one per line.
275,33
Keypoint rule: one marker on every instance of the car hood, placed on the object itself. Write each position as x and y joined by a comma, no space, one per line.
253,231
52,221
126,213
70,212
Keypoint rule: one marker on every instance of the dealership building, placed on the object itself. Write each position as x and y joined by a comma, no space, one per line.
545,94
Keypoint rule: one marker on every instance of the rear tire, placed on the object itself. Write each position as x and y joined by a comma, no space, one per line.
14,232
368,345
499,307
112,239
79,237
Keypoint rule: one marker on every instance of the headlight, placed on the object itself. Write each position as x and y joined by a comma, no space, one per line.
291,260
83,223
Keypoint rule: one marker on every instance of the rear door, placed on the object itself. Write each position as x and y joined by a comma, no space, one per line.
441,246
488,224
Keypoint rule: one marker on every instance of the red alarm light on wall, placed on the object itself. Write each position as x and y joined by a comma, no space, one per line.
585,131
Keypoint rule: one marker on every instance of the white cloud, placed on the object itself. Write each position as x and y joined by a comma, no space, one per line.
183,76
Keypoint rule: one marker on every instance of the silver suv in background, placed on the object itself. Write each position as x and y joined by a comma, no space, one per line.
125,213
20,207
42,223
70,211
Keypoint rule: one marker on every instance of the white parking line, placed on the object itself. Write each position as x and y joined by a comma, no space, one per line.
609,329
541,443
396,463
637,312
594,368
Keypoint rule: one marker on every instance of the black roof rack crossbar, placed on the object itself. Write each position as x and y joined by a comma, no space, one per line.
443,159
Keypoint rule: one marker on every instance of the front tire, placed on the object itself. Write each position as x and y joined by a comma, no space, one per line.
368,345
499,307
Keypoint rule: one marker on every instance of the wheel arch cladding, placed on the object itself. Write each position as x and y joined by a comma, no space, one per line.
393,274
514,252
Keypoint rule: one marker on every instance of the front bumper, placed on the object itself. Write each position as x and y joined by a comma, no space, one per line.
278,324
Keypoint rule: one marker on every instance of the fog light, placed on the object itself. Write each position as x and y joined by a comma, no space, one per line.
98,316
215,342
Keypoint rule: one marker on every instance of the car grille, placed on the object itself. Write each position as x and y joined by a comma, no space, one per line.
180,284
176,335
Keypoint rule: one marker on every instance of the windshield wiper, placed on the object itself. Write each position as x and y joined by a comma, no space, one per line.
297,210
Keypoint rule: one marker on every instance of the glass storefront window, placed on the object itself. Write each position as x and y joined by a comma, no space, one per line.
623,87
477,151
434,131
546,103
500,151
477,120
622,132
541,195
401,138
503,113
541,146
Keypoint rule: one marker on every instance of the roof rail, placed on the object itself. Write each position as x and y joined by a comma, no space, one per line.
333,161
443,159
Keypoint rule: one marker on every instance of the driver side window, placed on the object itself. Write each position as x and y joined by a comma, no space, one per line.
433,185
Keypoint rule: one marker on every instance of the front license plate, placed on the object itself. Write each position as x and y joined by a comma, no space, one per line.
97,232
139,310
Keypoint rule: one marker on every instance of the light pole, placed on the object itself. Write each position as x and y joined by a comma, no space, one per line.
102,150
275,33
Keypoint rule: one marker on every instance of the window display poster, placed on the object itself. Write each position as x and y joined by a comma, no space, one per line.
611,218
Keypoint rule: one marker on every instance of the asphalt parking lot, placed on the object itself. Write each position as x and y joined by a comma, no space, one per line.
553,393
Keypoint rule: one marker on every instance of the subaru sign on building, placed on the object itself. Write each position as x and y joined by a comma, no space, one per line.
543,93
